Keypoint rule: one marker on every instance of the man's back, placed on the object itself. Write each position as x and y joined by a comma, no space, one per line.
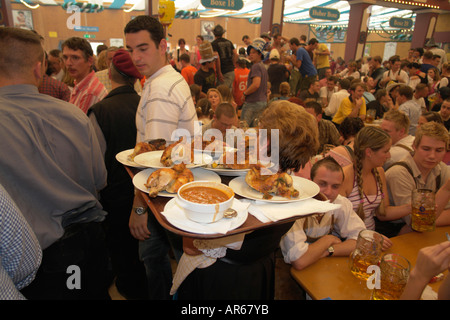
413,111
225,49
50,156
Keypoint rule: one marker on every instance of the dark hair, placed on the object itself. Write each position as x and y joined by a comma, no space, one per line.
406,91
181,40
77,43
432,116
344,83
313,41
185,57
328,162
314,105
294,41
414,65
147,23
350,127
55,53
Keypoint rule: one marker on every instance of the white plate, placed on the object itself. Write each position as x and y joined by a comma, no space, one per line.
178,219
306,188
122,157
228,172
152,159
140,179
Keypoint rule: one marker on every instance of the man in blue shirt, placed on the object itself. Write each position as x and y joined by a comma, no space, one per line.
302,61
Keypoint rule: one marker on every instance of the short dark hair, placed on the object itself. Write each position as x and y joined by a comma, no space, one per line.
328,162
294,41
185,57
313,41
147,23
344,83
77,43
406,91
314,105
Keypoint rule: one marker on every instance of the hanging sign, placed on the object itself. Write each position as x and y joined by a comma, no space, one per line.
324,13
402,23
223,4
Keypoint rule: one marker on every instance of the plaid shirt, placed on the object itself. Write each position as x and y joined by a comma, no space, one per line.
88,92
20,253
54,88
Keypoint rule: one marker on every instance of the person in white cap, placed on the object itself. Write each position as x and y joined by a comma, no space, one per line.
255,96
277,71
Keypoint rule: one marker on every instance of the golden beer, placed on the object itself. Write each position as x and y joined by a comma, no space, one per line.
423,221
359,265
369,118
367,253
423,215
394,275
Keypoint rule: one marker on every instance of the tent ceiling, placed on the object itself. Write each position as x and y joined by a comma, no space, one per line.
295,11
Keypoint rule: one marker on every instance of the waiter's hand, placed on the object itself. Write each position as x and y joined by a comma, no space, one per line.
138,226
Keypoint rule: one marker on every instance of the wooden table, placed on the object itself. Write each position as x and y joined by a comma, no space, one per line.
331,277
157,204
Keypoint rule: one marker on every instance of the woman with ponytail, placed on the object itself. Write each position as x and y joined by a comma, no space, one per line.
365,182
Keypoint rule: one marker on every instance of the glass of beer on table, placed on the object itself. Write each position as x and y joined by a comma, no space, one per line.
370,115
367,252
394,274
423,215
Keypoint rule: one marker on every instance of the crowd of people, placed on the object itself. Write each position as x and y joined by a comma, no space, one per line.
68,112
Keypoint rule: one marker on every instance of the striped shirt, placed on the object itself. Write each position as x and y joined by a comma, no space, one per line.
166,105
88,92
371,203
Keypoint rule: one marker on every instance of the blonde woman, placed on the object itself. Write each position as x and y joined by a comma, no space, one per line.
215,97
365,182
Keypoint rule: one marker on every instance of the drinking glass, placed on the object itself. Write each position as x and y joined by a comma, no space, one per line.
394,274
367,252
423,215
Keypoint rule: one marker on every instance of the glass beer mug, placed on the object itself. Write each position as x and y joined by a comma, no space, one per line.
423,215
394,276
367,252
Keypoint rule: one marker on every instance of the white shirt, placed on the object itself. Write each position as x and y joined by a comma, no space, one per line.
166,105
346,224
397,152
413,111
325,93
393,75
335,102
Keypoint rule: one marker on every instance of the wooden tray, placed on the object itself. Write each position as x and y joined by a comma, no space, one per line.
157,205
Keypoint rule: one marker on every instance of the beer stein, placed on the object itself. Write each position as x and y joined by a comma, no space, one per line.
423,215
394,274
367,252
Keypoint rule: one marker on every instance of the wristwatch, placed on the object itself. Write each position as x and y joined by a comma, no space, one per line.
330,251
140,210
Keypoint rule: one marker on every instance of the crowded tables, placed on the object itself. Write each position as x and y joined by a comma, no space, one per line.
331,277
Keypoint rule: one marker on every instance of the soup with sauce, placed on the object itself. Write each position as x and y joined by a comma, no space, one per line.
204,195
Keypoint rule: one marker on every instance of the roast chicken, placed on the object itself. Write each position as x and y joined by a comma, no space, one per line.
280,184
177,152
153,145
168,179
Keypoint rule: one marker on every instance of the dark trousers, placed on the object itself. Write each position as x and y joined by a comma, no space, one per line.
79,257
128,270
